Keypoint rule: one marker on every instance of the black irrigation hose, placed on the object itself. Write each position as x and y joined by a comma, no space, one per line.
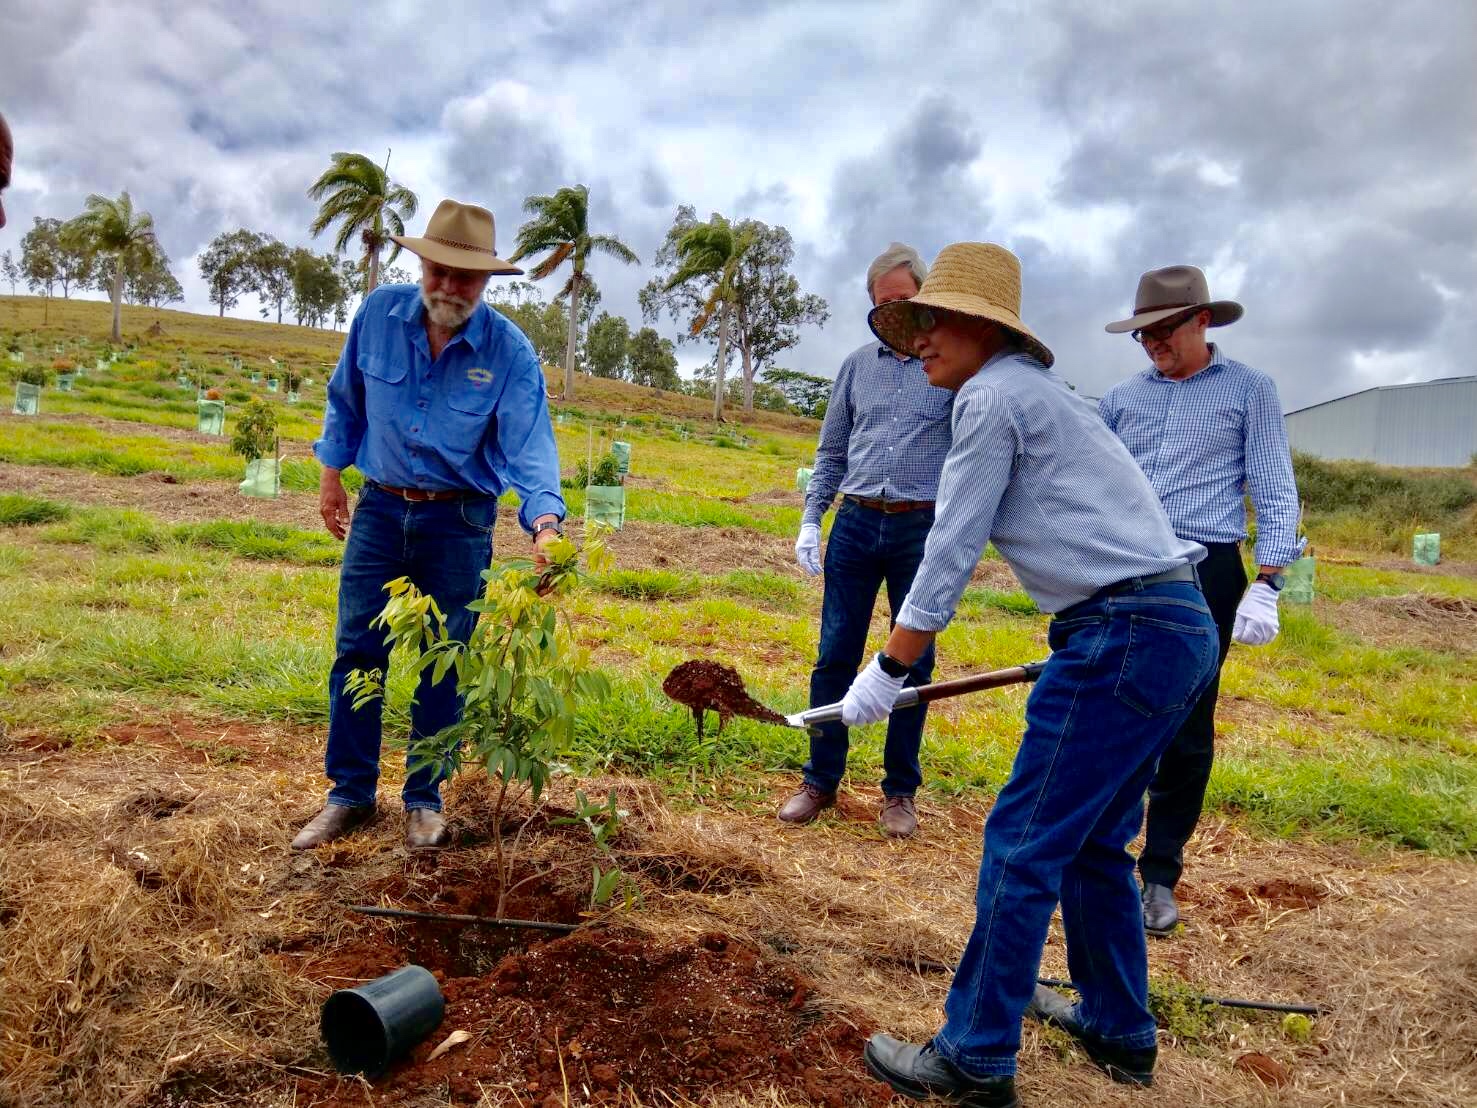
1222,1001
449,917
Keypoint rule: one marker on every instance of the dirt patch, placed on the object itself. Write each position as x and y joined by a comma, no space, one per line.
610,1014
702,685
193,741
1446,623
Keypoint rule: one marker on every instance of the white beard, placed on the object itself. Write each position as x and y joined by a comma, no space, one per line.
446,311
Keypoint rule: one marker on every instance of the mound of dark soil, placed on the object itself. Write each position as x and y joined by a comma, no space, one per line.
702,684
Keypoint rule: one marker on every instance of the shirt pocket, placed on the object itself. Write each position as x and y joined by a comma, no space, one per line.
383,383
469,418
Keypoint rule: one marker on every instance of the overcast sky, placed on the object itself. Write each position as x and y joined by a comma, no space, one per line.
1318,158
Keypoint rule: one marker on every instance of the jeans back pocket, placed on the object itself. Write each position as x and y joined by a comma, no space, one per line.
1165,666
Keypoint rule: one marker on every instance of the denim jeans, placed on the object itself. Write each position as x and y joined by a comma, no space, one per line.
442,546
1124,671
1178,788
867,548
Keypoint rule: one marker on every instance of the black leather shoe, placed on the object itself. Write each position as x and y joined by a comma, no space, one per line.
1161,913
1131,1067
921,1072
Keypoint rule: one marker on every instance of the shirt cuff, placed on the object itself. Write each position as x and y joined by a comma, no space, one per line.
920,619
334,455
1279,552
541,504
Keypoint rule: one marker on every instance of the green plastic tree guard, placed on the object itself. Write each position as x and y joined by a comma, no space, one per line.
64,381
292,396
802,477
255,378
622,452
211,417
1299,586
27,399
271,384
606,505
1427,549
262,478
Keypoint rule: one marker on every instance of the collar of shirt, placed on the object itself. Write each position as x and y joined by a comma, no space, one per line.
473,332
904,359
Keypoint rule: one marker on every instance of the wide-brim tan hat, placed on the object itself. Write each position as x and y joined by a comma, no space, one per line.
976,279
1166,292
462,236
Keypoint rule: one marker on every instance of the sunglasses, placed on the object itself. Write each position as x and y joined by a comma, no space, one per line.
1162,331
925,319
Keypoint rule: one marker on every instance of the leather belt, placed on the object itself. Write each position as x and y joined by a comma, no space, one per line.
420,495
890,507
1178,573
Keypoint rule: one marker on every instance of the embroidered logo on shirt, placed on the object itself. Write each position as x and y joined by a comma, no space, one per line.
479,376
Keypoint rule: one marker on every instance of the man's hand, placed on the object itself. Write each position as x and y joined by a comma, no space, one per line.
1256,616
808,548
871,696
541,542
333,503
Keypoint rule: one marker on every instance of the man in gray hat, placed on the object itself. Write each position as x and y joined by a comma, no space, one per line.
1203,428
882,446
439,402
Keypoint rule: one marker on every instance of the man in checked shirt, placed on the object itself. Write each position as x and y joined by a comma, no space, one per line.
882,444
1203,428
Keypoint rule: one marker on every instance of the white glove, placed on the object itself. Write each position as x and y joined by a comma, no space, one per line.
1256,616
808,548
871,696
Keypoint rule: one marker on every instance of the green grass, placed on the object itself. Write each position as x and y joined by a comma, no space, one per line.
18,510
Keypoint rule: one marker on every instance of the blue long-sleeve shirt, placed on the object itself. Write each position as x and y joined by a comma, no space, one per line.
885,433
1034,470
475,418
1206,440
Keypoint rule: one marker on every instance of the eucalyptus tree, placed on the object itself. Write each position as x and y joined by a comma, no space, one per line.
359,196
121,238
561,227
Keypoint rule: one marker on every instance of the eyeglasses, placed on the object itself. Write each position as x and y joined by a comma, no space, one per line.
1162,331
925,319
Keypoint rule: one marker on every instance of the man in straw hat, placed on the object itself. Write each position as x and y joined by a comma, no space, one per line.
7,152
439,402
1203,428
1033,469
882,445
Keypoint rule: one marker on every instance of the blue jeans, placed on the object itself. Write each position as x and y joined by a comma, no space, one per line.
442,546
866,549
1125,670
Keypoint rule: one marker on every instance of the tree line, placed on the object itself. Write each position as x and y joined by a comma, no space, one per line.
723,282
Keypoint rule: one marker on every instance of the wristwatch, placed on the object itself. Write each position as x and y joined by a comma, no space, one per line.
891,666
1273,581
548,525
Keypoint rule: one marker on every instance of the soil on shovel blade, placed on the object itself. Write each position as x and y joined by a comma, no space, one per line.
598,1015
701,685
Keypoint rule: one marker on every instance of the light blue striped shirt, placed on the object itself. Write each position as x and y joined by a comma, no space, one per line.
1034,470
1206,441
885,434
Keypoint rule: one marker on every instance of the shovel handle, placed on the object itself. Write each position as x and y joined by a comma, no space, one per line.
942,690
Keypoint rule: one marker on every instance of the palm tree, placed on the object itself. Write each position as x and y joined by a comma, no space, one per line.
710,253
114,230
361,195
560,225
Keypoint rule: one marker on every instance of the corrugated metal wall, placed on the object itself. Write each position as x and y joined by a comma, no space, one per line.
1429,424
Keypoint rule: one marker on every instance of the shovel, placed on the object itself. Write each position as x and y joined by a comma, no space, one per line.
927,694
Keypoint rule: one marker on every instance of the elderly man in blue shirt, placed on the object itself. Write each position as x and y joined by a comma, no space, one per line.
439,402
1206,430
1034,470
882,444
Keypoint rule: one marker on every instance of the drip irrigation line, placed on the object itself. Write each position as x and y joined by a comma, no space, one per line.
451,917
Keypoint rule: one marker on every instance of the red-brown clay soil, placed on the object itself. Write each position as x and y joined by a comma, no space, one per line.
702,684
603,1013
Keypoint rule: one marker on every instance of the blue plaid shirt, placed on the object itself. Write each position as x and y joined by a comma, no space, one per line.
885,434
1034,470
1204,442
475,418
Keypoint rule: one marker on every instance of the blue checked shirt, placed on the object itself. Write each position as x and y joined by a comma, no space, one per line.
1204,442
885,434
1034,470
476,418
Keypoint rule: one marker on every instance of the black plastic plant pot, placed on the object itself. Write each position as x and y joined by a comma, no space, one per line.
368,1027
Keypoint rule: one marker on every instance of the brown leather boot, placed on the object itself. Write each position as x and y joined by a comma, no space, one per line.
334,822
425,830
805,805
899,817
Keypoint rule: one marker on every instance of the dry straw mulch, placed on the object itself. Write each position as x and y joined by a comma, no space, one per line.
153,930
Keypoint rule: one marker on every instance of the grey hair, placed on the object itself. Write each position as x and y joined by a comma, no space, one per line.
896,254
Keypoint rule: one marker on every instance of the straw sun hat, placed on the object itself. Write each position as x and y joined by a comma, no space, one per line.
976,279
462,236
